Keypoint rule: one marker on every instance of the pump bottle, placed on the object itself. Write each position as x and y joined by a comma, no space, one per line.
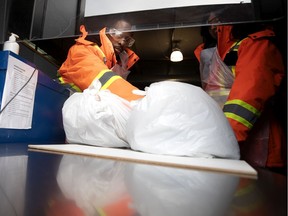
11,44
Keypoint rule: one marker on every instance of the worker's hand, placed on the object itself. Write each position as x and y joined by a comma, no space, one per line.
120,71
121,67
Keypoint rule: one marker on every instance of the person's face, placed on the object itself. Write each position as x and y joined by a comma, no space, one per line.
213,28
120,40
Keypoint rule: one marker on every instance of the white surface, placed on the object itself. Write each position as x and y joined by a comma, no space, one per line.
236,167
92,7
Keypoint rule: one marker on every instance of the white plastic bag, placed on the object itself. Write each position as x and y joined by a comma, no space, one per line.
218,79
180,119
96,117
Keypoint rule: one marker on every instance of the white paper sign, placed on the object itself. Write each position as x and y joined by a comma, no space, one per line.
92,7
18,95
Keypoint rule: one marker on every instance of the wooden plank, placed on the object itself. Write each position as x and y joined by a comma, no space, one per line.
235,167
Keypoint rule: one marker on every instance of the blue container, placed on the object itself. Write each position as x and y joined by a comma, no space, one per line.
47,125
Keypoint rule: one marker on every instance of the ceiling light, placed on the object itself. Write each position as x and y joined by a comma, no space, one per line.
176,55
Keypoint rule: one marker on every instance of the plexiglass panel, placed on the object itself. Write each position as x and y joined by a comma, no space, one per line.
39,19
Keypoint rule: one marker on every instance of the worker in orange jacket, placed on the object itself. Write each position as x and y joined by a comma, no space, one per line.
86,61
245,73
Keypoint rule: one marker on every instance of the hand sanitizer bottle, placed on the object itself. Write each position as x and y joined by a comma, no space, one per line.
11,44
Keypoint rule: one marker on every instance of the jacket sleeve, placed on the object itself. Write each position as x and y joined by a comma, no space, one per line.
82,65
259,71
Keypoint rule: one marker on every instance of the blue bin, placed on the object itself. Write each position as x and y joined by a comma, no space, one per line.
47,125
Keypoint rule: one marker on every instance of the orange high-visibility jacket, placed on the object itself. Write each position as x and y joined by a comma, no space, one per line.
258,73
86,62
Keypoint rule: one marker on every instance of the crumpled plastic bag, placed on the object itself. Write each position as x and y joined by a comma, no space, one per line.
180,119
96,117
217,79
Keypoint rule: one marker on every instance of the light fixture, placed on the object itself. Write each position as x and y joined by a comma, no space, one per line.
176,55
